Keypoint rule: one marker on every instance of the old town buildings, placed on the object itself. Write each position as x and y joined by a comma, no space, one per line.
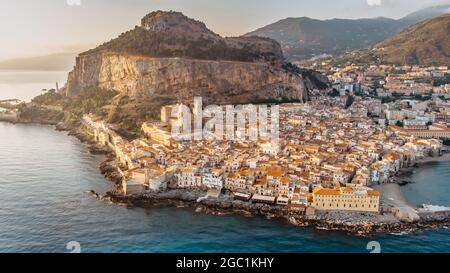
328,156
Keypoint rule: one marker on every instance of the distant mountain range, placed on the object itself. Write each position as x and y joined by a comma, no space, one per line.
425,43
56,62
304,38
301,39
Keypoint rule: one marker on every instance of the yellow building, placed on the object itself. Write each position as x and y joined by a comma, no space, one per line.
347,199
433,132
166,114
158,133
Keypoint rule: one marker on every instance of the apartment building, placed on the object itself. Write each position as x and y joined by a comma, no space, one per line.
346,199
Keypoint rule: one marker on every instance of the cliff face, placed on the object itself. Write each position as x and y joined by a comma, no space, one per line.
173,56
181,78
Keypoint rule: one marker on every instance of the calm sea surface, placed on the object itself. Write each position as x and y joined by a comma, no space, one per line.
431,185
45,174
25,85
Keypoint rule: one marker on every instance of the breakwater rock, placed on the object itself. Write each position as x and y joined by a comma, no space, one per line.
363,224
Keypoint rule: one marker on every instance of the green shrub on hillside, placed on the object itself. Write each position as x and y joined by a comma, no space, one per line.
48,98
90,100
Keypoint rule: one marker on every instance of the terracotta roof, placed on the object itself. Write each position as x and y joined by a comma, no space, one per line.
327,192
373,193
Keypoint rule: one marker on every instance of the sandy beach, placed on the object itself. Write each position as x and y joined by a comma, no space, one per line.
392,196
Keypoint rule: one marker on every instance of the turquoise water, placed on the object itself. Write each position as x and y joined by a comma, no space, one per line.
431,185
44,175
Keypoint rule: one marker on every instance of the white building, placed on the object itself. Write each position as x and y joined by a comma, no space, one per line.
188,177
213,179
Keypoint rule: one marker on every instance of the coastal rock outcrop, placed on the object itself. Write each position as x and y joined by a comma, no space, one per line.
407,215
170,55
363,224
140,76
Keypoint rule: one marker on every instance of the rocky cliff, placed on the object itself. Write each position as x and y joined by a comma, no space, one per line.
173,56
181,78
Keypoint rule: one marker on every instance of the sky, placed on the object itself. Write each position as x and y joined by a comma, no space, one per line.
31,28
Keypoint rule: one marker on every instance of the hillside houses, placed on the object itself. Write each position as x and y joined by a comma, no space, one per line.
323,146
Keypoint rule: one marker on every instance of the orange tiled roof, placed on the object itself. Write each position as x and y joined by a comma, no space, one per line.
327,192
373,193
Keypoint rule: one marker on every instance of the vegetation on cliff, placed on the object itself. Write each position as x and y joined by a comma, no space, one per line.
144,84
126,112
90,100
160,44
171,34
51,97
314,79
36,114
53,108
136,64
129,113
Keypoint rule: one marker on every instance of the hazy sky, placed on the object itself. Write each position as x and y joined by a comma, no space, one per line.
34,27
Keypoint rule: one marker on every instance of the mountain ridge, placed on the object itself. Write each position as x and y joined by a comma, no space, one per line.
303,37
425,43
172,34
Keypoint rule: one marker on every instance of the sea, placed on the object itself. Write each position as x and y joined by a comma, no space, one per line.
25,85
46,207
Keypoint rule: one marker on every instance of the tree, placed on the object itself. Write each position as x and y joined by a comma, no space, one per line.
350,101
334,93
386,99
447,142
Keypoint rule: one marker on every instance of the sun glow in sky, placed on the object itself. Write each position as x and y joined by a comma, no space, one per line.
30,27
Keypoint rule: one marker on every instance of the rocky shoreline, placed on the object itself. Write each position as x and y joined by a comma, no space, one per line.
363,224
351,222
401,178
108,167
